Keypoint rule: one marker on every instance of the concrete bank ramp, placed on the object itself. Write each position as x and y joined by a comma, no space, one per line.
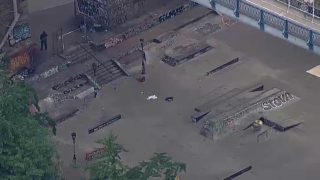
220,125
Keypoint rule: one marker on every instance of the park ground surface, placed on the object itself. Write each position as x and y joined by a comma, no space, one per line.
149,126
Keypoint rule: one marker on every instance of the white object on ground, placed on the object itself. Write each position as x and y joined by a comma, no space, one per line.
152,97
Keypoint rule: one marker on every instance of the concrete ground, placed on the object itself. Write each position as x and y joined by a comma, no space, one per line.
43,87
149,126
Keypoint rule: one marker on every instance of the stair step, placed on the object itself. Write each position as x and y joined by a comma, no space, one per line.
109,79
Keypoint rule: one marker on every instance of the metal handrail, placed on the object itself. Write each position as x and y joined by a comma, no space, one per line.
94,58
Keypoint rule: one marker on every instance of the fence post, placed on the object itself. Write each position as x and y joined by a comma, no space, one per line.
236,11
213,4
310,41
285,31
260,22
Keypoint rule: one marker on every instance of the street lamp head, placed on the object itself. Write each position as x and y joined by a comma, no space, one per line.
73,135
141,41
94,66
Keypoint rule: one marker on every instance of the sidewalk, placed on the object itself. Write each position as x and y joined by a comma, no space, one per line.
291,13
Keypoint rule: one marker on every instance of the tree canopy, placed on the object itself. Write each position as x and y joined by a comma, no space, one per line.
108,166
26,151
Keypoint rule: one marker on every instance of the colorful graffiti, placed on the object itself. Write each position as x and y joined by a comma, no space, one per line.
94,154
20,61
49,72
19,33
143,27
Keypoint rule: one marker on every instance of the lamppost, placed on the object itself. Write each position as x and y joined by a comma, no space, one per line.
74,135
143,70
94,67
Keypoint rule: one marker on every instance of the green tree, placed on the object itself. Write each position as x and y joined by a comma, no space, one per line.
26,151
109,166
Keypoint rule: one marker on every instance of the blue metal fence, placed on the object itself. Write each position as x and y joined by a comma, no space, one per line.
288,27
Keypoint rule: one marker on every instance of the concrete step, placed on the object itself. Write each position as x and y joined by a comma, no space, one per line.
107,72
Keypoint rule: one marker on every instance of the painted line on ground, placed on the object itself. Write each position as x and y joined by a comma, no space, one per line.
314,71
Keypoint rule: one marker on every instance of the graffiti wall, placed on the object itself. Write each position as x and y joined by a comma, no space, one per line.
19,60
143,27
122,12
94,10
111,13
19,33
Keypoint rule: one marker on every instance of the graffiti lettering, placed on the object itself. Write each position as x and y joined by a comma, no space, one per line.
64,66
93,154
74,88
277,101
19,33
50,72
141,28
170,14
207,29
66,82
20,61
60,97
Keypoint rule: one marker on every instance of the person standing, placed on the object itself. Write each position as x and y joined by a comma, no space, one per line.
43,40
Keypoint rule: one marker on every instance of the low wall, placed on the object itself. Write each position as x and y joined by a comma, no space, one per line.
143,27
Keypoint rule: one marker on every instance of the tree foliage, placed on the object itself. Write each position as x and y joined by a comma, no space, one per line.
26,151
109,165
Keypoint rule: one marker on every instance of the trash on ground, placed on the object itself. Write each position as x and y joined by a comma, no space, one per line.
169,99
152,97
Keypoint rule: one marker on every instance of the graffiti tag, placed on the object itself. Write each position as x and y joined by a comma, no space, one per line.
20,61
277,101
19,33
93,154
143,27
66,82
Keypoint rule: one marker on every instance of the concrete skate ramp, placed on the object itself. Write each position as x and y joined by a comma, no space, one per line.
184,50
227,122
230,100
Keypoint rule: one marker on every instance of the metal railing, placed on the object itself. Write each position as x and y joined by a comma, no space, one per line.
265,17
298,4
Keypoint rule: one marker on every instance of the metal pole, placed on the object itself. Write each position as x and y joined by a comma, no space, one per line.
85,28
143,70
312,10
73,135
74,152
94,67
